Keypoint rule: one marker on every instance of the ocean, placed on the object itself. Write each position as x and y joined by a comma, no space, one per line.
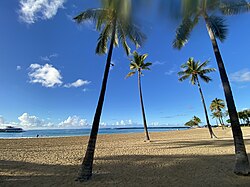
83,132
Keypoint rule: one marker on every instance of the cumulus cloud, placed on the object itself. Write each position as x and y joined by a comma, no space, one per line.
73,121
29,121
46,75
33,10
77,83
241,76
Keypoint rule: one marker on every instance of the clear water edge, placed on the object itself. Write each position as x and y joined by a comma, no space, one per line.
82,132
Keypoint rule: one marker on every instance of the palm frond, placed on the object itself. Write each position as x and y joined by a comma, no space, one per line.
133,32
97,15
184,77
212,5
232,7
183,32
133,66
217,24
205,78
143,57
101,47
122,37
130,74
208,70
147,64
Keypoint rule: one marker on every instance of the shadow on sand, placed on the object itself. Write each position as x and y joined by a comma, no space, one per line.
134,170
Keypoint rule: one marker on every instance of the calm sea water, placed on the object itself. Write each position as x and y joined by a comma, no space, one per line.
82,132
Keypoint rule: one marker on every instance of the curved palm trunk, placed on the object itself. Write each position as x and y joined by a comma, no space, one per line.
142,108
87,164
212,135
241,162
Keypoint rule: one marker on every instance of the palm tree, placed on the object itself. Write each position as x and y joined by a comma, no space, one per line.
216,107
195,121
211,12
115,24
194,71
138,65
244,116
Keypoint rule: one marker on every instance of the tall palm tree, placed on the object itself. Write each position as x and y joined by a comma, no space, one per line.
194,71
138,65
216,107
212,11
113,21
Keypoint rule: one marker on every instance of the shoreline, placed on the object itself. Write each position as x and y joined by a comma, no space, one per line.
47,133
177,158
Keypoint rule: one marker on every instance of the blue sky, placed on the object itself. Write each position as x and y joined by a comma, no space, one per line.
50,76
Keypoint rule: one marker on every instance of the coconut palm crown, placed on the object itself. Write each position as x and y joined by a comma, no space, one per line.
193,70
114,15
138,64
212,11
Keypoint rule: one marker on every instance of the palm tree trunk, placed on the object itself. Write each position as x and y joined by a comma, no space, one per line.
142,108
241,162
221,122
205,110
87,164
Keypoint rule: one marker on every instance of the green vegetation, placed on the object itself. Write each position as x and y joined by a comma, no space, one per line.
194,71
195,121
216,107
245,117
138,65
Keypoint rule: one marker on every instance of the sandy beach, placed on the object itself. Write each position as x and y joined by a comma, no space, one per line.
177,158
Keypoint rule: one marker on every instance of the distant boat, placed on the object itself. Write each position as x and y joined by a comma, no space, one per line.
11,129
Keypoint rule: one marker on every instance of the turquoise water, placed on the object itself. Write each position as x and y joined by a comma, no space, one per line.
82,132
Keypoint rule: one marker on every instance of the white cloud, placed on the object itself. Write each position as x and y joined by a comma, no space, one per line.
1,121
73,121
158,63
77,83
46,75
33,10
155,123
48,58
241,76
28,121
18,68
125,123
170,72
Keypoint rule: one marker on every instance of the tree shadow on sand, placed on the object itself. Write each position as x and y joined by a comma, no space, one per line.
190,143
129,170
